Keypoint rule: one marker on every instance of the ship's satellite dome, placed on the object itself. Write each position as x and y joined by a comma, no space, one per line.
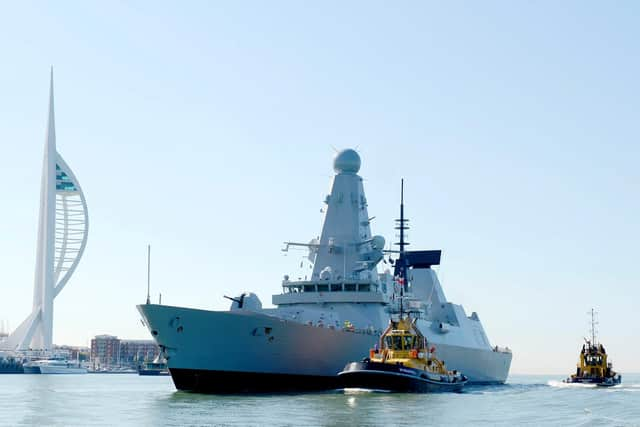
346,161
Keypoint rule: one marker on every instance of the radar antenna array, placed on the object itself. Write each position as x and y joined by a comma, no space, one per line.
593,323
400,270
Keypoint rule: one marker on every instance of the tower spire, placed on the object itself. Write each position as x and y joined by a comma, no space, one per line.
51,123
62,236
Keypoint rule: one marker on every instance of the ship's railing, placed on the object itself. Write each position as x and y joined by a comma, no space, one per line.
329,291
329,297
301,286
499,349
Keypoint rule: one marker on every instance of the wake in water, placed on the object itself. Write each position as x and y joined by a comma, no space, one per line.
507,388
355,390
560,384
620,387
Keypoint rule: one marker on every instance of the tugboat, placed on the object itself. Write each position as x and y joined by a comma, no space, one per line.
593,367
401,360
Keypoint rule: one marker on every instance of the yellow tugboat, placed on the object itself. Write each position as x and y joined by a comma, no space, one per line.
593,366
402,362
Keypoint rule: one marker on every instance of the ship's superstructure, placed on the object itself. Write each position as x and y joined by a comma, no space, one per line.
62,236
323,321
345,258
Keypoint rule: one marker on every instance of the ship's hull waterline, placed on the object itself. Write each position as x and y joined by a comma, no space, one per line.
227,352
372,375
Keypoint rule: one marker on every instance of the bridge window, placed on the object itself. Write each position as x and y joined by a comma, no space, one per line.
409,342
397,343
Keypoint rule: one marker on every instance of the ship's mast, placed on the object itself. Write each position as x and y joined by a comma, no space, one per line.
593,326
148,274
401,264
402,221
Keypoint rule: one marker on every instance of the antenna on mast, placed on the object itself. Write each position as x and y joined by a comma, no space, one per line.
148,274
594,322
401,264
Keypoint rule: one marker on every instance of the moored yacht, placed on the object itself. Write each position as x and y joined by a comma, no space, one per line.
54,366
322,322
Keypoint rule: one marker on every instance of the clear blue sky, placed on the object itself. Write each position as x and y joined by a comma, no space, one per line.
207,131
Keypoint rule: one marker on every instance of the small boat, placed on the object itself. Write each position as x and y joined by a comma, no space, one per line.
155,368
54,366
401,361
593,365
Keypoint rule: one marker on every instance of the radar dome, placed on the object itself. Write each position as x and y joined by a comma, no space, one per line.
346,161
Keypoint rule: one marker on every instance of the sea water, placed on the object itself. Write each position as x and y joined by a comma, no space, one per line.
100,399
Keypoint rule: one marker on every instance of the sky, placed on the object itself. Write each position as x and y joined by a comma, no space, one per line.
208,130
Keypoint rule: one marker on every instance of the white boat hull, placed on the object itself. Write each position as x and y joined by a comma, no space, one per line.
62,370
58,367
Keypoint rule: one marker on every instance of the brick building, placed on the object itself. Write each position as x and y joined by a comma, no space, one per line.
104,351
110,351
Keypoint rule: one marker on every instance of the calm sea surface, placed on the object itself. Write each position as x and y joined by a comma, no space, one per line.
92,399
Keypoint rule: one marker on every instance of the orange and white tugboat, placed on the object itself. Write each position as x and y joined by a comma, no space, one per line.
593,366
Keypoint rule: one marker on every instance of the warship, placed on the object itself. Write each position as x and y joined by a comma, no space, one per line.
322,322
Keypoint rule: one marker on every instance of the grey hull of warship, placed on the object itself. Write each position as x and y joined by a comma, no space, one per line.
320,324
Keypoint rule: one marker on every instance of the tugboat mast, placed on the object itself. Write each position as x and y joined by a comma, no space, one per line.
402,222
593,326
401,264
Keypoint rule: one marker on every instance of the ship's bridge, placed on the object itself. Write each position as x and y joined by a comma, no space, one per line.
325,291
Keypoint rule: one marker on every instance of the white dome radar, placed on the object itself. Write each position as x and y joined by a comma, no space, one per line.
346,161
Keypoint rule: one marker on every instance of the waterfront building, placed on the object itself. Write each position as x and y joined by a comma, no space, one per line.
134,352
109,351
62,236
104,351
